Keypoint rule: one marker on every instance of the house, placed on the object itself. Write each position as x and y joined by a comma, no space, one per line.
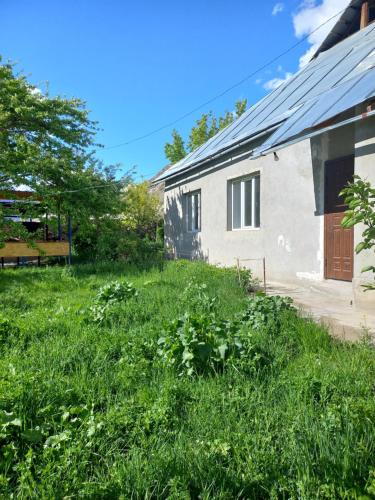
266,187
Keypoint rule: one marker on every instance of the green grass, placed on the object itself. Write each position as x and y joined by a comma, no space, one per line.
100,416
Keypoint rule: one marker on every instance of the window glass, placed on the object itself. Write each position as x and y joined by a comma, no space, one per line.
257,201
236,193
196,212
248,202
189,213
193,211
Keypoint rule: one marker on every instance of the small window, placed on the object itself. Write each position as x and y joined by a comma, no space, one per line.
193,212
246,203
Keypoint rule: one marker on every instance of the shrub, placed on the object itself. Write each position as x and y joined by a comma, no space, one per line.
246,279
196,299
201,344
116,291
266,312
109,295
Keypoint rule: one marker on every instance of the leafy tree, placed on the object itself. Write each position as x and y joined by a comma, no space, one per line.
132,235
205,128
45,144
175,150
142,210
240,107
360,197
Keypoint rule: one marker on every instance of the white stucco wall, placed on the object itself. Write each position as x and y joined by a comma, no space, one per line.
291,236
364,167
291,232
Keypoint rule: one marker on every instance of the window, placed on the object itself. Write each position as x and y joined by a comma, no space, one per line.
246,203
193,211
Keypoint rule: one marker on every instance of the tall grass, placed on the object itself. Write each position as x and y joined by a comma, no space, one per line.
89,411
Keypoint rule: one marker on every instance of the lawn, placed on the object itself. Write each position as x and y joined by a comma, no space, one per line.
98,400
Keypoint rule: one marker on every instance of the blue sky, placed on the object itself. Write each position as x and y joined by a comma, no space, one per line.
139,65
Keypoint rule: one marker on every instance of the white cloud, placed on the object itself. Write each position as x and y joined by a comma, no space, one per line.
311,15
278,7
276,82
258,81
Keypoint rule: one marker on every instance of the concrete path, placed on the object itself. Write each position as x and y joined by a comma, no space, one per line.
330,302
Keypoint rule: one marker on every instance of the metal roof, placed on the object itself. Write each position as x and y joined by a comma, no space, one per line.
334,81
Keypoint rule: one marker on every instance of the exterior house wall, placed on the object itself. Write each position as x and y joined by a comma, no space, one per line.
291,236
364,157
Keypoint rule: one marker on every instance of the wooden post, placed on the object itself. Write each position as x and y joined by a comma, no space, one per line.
70,240
364,15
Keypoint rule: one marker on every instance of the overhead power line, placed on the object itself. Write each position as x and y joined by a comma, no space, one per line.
218,96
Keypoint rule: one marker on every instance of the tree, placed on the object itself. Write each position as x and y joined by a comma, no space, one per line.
142,211
360,197
175,151
133,235
205,128
46,144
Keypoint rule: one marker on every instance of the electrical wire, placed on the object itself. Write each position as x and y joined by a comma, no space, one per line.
221,94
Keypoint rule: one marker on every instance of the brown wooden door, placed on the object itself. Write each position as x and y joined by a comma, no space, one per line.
338,241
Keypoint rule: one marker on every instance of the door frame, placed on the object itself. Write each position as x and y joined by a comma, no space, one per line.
351,156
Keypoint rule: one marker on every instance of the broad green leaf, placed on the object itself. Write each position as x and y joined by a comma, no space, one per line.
367,268
32,435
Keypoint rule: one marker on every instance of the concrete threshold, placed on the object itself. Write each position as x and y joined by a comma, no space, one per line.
330,303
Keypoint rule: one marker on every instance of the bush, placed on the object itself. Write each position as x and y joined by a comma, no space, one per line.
266,312
196,345
116,291
108,295
199,342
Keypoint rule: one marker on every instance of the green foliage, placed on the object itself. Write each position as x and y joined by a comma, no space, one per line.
90,411
134,235
196,345
265,312
45,144
7,329
200,342
142,209
175,150
109,295
360,198
205,128
116,291
246,279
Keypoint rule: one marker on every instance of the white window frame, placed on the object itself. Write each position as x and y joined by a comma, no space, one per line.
242,181
191,196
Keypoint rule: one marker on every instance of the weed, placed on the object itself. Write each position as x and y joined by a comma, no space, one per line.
273,408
